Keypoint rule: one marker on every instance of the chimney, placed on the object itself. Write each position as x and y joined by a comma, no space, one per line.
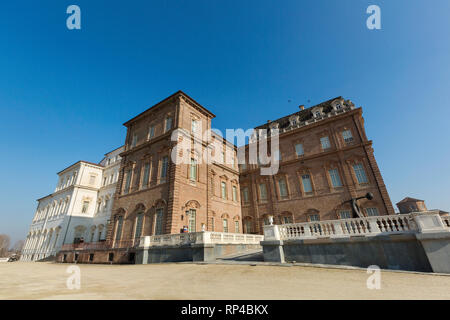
302,107
269,121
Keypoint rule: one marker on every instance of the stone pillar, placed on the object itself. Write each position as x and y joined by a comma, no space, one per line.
429,222
272,244
435,239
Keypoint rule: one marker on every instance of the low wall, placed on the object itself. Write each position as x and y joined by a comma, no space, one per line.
415,242
106,256
400,252
195,246
189,252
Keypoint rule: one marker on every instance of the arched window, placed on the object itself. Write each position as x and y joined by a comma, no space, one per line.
159,221
248,226
119,225
139,222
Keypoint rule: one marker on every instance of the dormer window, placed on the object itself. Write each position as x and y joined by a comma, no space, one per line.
338,106
318,114
294,120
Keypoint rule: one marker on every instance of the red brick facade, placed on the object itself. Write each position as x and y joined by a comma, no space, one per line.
154,202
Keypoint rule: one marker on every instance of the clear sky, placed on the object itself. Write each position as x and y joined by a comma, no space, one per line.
64,94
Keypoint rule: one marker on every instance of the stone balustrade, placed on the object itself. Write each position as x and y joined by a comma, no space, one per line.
204,237
418,241
389,224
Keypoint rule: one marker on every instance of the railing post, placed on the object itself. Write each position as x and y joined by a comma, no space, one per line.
429,222
307,230
203,237
271,232
338,232
374,228
144,242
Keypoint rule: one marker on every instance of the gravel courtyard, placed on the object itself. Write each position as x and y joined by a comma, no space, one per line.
21,280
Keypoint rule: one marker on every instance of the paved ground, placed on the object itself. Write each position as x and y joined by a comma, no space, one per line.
21,280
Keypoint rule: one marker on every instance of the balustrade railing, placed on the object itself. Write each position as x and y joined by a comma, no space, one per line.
209,237
169,239
390,224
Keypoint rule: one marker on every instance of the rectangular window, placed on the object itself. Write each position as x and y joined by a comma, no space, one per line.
372,212
168,123
85,207
306,181
299,149
283,188
345,215
105,179
224,190
164,164
151,132
325,142
159,220
193,170
92,179
278,155
360,173
314,217
335,178
192,220
225,225
248,226
194,125
287,219
262,191
245,195
236,226
234,193
212,224
127,182
134,140
146,176
223,157
106,204
347,135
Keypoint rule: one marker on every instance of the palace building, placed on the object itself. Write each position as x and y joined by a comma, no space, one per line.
325,160
77,211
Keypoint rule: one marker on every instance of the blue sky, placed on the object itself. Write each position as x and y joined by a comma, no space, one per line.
64,94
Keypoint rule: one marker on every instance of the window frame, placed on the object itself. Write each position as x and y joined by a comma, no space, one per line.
325,146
